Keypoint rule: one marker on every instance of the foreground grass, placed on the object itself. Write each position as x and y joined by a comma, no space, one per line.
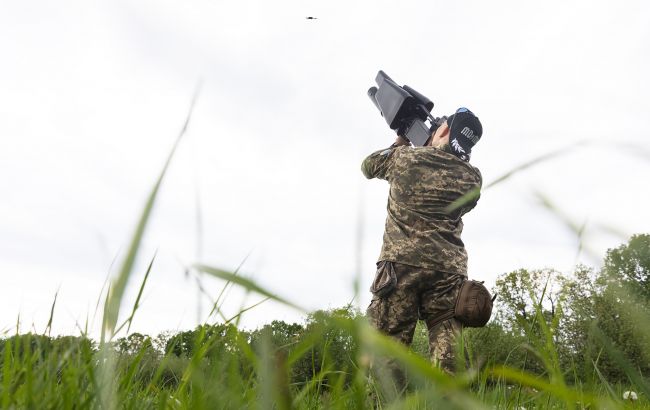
335,363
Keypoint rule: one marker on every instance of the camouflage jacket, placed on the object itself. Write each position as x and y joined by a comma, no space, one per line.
424,181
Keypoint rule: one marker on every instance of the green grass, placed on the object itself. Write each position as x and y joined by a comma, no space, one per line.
331,362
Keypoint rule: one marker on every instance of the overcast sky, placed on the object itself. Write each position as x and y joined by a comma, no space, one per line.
93,95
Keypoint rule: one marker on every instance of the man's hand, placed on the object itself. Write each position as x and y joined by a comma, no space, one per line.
401,141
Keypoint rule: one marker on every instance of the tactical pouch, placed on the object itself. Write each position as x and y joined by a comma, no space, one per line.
473,306
385,279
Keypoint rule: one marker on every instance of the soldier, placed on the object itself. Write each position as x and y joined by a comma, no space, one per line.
423,261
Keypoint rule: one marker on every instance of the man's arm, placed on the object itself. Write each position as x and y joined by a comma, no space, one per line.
377,164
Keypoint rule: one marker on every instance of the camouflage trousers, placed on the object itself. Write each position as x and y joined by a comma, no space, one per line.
420,294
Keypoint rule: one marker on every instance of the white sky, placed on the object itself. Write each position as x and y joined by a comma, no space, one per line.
93,94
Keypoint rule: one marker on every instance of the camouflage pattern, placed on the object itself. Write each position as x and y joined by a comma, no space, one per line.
420,294
423,182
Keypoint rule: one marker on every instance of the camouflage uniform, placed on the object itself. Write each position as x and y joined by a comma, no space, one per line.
422,242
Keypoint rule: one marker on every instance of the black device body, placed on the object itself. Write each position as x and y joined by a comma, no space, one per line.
405,110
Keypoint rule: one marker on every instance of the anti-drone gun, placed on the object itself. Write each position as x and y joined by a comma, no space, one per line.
405,110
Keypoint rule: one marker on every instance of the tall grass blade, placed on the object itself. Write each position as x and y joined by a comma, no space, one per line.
48,328
216,305
199,242
119,283
244,310
100,297
575,228
531,380
603,380
245,283
472,195
6,374
634,149
634,376
136,305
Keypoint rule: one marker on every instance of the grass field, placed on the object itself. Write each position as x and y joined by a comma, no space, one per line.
333,362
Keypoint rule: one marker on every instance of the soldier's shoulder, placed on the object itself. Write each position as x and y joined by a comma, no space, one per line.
403,149
402,153
460,165
473,170
394,151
